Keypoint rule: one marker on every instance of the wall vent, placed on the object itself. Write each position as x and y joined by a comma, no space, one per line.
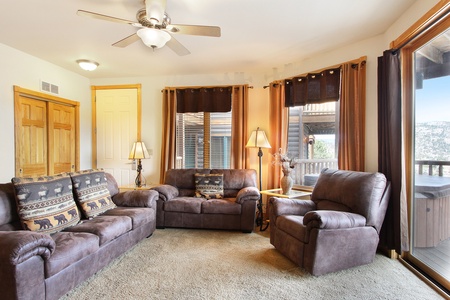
49,87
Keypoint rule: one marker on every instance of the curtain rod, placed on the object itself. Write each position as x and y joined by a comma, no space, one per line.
206,87
362,59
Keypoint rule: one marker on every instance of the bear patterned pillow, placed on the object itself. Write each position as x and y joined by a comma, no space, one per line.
209,186
45,204
91,192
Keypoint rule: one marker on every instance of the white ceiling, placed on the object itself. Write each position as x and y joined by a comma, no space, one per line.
257,35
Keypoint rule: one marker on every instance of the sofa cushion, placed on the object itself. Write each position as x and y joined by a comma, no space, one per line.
107,228
209,186
293,225
221,206
185,204
70,248
91,192
139,215
45,204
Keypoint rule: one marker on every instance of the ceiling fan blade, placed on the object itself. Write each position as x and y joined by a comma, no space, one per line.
155,10
194,30
86,13
177,47
127,41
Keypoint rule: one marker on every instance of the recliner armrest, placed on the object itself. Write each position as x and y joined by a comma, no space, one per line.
329,219
247,193
166,192
288,206
18,246
137,198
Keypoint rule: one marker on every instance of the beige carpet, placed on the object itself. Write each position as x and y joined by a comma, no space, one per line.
203,264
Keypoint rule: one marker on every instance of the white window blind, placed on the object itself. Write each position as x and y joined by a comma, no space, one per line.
203,140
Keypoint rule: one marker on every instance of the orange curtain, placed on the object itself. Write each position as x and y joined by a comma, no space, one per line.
351,146
239,118
278,123
168,152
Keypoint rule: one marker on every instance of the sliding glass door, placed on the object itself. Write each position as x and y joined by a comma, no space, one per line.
430,170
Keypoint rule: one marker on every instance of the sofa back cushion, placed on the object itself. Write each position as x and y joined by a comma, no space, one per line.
45,204
112,184
236,179
351,191
233,180
8,207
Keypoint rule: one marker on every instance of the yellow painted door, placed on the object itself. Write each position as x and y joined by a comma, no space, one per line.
116,121
31,137
61,138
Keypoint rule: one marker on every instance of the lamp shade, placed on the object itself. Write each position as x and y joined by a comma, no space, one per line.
154,38
258,139
138,151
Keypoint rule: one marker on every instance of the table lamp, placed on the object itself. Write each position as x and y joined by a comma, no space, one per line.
138,151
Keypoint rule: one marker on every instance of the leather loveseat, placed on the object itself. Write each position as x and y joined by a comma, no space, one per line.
179,205
36,265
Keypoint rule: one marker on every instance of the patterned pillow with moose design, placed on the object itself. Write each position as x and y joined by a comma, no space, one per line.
209,186
45,204
91,192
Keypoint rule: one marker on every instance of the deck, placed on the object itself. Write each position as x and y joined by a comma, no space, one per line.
437,258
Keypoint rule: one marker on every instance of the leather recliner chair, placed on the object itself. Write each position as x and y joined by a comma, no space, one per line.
338,228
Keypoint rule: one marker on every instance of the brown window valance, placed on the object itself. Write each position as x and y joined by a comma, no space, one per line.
313,88
217,99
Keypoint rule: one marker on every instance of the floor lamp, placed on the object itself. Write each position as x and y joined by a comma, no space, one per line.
138,151
258,139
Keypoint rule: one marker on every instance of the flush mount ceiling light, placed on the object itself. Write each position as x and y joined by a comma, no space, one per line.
153,37
87,65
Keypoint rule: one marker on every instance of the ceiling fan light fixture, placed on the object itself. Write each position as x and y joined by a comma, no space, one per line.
88,65
154,38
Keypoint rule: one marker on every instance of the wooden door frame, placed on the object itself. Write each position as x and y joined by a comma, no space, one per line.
22,92
94,90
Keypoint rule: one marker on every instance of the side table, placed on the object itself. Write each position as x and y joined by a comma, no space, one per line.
298,194
133,187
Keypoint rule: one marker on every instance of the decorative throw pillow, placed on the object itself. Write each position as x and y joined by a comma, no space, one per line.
45,204
209,186
91,192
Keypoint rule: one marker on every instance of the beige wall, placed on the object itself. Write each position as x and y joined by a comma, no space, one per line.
21,69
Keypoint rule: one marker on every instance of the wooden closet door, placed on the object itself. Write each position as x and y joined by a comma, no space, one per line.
61,138
31,137
46,133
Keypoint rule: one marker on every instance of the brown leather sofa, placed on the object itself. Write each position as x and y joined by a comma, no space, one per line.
338,228
42,266
177,205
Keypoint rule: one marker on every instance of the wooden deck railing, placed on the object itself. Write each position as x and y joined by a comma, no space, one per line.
310,166
432,164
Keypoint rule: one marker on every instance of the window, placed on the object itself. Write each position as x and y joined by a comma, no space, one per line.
312,140
203,140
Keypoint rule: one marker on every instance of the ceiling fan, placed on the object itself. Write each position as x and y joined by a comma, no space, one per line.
155,28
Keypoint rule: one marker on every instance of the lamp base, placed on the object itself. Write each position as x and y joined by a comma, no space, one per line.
260,216
138,180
